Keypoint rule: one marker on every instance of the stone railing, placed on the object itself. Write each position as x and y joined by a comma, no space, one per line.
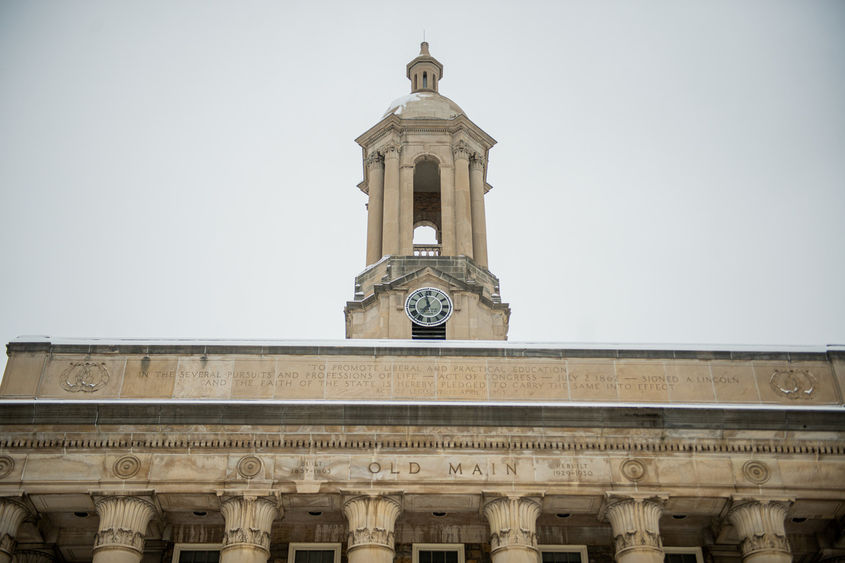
426,250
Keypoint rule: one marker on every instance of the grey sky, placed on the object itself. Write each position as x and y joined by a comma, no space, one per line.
667,171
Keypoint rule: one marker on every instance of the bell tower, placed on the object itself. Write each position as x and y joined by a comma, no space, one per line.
425,173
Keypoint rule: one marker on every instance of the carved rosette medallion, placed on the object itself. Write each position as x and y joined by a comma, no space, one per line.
513,522
86,377
249,466
123,522
127,466
760,526
794,383
7,465
371,520
633,469
756,471
635,523
248,522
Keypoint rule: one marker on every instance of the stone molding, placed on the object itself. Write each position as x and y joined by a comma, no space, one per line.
249,443
248,521
13,511
513,522
634,519
34,556
760,525
123,521
371,520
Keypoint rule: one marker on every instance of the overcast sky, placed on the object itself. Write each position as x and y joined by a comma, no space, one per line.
666,172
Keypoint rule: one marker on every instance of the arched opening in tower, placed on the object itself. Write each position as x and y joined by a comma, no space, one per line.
427,208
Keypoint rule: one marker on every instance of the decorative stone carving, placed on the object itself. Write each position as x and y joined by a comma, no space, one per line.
127,466
635,522
7,465
13,511
633,469
249,466
390,151
85,376
760,526
123,521
476,162
249,521
513,522
371,520
375,159
793,383
462,150
756,471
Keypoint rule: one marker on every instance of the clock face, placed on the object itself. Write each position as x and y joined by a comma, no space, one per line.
428,306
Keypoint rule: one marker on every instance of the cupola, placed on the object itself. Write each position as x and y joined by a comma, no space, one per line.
424,71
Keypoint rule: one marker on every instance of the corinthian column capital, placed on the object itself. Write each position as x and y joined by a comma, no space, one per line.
13,511
760,526
513,522
461,150
123,522
248,521
476,162
375,160
635,520
390,151
371,520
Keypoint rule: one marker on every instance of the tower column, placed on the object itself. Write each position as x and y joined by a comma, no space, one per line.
513,529
636,531
447,211
390,230
371,521
463,215
123,523
760,526
248,520
375,207
12,514
406,210
479,222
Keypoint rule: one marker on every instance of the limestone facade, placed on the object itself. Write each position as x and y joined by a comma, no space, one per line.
133,451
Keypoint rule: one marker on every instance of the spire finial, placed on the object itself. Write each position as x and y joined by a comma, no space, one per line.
424,49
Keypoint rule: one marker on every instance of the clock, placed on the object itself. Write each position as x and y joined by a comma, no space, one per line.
428,306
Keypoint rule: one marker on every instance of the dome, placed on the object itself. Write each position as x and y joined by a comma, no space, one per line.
424,105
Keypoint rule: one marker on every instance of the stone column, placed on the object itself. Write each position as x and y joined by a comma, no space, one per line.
246,535
479,221
463,215
406,210
371,520
390,230
513,529
123,523
447,210
760,526
13,511
375,206
636,531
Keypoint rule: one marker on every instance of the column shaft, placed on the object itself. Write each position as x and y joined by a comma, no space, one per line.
248,521
463,215
406,210
123,523
760,526
12,514
447,211
636,530
479,220
375,207
513,529
371,521
390,230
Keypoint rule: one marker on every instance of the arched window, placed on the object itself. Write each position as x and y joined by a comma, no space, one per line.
425,80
